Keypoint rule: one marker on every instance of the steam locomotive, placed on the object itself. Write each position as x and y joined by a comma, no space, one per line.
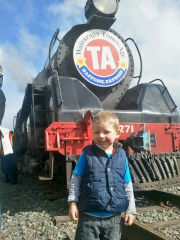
2,97
92,70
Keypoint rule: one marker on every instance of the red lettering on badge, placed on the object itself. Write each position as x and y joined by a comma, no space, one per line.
101,57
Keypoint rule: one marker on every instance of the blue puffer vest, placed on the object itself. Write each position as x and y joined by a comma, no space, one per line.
102,185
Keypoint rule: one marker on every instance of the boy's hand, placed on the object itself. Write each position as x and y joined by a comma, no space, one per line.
128,219
73,211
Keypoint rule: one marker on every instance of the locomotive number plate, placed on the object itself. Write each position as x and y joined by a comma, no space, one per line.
126,128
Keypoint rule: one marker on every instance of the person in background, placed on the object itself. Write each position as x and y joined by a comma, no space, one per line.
101,187
2,96
8,158
1,76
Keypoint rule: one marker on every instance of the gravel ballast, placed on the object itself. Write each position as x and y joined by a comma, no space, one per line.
28,209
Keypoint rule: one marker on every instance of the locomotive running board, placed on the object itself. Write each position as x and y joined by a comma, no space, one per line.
51,168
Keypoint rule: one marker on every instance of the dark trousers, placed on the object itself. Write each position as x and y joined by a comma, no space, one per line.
0,216
95,228
9,167
12,178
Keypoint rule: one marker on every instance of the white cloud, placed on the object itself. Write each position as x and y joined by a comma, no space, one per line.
17,73
154,25
29,44
16,67
14,101
67,13
149,10
69,8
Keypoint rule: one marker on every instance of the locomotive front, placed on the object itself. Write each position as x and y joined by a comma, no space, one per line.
92,70
95,55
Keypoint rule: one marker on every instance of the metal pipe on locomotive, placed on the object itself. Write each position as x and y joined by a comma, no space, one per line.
92,70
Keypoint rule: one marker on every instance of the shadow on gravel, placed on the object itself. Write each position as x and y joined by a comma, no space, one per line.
31,194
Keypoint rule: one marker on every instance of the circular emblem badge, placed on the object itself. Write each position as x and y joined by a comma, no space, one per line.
101,57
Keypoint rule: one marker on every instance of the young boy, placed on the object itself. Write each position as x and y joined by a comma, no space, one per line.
101,186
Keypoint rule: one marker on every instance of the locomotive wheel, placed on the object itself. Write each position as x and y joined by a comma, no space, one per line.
26,163
50,168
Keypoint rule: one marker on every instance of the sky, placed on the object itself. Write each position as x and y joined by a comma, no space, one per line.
26,28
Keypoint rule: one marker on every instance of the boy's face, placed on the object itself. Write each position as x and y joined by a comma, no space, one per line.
105,135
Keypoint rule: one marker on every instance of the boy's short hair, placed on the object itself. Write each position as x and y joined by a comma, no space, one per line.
106,117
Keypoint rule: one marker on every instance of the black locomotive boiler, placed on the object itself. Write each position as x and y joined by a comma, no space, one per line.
91,70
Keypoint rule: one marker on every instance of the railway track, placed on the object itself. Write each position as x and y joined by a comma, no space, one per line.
153,222
157,203
31,197
27,209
